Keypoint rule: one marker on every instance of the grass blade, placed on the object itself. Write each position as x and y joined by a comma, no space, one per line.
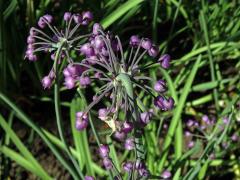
22,148
177,113
119,12
19,159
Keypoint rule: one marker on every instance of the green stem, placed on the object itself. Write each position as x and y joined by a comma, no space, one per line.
31,124
90,118
212,69
177,114
58,111
92,126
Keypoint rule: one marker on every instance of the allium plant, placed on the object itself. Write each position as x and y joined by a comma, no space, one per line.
121,74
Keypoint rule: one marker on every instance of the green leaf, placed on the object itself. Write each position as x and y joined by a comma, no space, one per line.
119,12
177,113
22,116
22,148
80,138
19,159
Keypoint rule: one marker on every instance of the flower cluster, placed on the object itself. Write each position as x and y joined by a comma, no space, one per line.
65,39
104,63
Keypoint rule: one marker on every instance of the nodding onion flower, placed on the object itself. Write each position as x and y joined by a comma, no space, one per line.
65,39
105,61
121,75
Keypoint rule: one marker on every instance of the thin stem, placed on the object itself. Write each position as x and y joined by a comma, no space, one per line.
73,30
41,32
139,58
68,26
90,118
91,67
135,56
43,39
58,112
79,37
50,27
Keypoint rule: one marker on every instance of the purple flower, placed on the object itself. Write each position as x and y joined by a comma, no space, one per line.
153,51
190,123
46,82
81,121
86,17
104,151
81,124
98,75
143,172
98,43
66,73
127,127
84,81
164,103
225,120
29,52
166,174
160,86
196,124
146,44
69,82
134,41
120,135
190,144
187,134
128,166
42,22
107,163
48,18
32,32
145,117
87,50
129,144
89,178
32,57
102,114
96,28
206,119
165,61
77,18
30,39
234,137
67,16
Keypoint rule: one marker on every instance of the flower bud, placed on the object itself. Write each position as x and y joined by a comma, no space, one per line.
69,82
164,103
134,41
127,127
146,44
77,18
46,82
67,16
107,163
102,114
153,51
166,174
160,86
129,144
165,61
87,17
96,28
104,151
128,166
89,178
